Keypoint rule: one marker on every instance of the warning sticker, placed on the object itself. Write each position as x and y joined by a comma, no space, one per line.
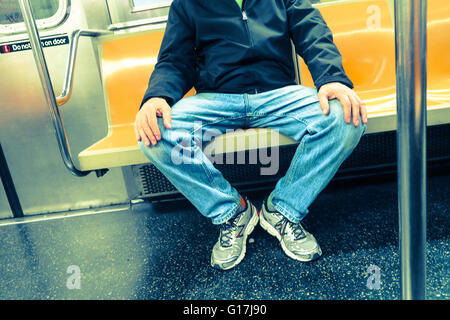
26,45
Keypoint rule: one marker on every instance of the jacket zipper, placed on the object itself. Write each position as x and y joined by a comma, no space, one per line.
245,19
247,29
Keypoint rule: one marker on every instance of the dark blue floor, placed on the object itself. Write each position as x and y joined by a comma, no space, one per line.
162,251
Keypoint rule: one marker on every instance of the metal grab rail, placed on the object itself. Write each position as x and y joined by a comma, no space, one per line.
411,73
71,59
47,86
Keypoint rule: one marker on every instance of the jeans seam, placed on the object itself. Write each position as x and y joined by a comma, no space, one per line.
285,212
224,217
247,113
206,169
300,150
216,121
280,115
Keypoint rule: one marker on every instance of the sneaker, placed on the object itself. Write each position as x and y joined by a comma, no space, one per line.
296,242
230,249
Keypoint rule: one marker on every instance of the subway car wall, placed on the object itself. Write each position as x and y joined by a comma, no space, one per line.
42,182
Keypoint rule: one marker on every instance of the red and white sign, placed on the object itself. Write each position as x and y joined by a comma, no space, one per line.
6,48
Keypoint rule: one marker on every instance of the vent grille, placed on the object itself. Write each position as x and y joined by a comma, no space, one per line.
153,181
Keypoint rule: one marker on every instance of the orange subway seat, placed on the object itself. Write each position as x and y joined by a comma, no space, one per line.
363,32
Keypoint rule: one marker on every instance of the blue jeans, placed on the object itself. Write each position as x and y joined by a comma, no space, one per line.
325,142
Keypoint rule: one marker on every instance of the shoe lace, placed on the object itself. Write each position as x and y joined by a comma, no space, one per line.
297,228
298,231
226,234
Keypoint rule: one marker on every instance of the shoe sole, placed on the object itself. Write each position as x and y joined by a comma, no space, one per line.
251,226
315,254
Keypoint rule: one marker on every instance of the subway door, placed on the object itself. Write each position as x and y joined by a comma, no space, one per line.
42,182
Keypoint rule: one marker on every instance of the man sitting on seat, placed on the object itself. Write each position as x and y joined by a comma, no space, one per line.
238,56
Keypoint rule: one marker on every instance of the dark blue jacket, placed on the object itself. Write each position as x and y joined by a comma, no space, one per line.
215,46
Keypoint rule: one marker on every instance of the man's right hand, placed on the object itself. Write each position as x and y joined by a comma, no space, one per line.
146,126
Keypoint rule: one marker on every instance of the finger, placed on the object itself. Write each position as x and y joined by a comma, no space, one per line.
363,111
324,104
151,118
355,109
167,117
144,137
148,132
347,107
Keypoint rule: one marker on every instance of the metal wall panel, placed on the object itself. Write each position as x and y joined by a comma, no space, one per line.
43,183
121,12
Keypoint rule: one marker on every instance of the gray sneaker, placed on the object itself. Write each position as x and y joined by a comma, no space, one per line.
296,242
230,249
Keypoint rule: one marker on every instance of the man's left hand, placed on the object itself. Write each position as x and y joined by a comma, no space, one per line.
351,103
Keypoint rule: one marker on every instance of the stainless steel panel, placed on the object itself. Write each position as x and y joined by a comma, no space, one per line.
121,11
42,182
41,66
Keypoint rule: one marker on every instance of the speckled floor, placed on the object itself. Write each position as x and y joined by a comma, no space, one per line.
162,251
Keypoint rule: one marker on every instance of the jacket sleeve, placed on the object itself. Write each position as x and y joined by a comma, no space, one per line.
174,72
314,43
